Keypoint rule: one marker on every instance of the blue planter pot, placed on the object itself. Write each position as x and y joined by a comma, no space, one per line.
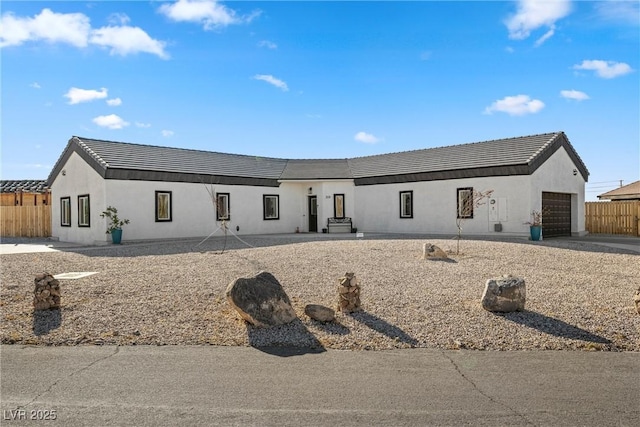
116,236
536,232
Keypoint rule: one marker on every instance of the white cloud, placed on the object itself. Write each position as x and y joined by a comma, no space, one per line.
605,69
518,105
35,85
367,138
167,133
574,94
111,122
118,19
77,95
75,29
127,40
114,102
143,125
272,80
626,12
534,14
70,28
267,44
545,36
210,13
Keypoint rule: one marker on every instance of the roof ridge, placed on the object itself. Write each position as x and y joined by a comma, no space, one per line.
81,138
89,151
544,146
554,135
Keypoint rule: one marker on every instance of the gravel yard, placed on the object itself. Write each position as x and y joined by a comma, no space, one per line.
579,295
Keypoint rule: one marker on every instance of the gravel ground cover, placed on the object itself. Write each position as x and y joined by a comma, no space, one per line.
579,296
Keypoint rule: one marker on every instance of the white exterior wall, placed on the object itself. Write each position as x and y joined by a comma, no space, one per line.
435,206
193,213
373,208
556,175
79,179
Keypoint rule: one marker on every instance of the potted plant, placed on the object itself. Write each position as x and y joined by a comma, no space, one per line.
535,225
115,225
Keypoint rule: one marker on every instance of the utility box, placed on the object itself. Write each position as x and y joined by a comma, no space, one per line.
497,227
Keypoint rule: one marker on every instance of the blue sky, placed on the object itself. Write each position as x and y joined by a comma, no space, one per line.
320,79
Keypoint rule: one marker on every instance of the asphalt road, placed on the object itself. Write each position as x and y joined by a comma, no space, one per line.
239,386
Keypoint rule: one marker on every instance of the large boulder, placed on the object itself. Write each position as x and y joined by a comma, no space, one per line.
504,294
261,300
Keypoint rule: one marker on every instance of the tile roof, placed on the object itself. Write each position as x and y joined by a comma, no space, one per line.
26,185
629,191
510,156
122,155
316,169
500,152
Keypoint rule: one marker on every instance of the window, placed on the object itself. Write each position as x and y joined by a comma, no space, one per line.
65,211
271,206
84,214
222,207
163,206
338,205
406,204
465,202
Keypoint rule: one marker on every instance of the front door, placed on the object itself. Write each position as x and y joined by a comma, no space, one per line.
313,214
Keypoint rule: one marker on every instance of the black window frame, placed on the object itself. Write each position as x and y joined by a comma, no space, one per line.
403,215
227,207
460,214
159,193
80,216
264,207
68,211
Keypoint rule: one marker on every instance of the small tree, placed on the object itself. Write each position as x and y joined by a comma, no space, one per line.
467,202
115,223
222,215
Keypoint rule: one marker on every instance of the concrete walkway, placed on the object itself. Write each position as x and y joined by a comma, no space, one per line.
26,245
240,386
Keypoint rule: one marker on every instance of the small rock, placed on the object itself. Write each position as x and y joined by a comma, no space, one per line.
320,313
636,300
505,294
433,252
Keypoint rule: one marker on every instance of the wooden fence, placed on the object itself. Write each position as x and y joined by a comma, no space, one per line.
25,221
612,217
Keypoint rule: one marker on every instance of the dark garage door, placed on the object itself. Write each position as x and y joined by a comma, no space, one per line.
556,214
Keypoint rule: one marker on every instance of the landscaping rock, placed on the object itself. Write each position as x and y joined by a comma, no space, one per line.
348,293
504,294
636,300
433,252
46,294
320,313
261,300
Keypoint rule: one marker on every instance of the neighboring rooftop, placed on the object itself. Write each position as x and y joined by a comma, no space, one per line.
626,192
509,156
25,185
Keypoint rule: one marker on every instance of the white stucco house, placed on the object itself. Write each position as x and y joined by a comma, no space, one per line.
165,192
